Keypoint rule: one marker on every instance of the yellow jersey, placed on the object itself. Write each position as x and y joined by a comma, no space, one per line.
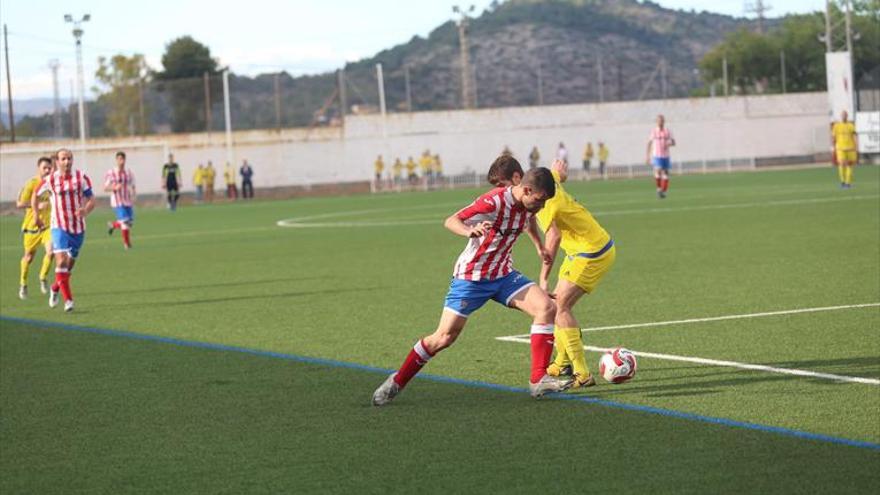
27,225
379,165
603,154
581,233
426,163
843,136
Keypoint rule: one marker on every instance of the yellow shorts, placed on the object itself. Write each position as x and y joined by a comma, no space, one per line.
586,273
850,156
32,241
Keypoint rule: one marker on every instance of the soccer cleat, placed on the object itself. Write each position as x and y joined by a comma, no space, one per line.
54,298
556,370
110,228
581,382
386,392
44,286
549,385
22,292
68,306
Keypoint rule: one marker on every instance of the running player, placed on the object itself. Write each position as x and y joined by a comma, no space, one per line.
70,194
659,143
119,182
484,271
171,182
32,235
590,252
845,139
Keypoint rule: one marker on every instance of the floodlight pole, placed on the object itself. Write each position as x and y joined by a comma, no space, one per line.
463,22
226,116
9,87
80,78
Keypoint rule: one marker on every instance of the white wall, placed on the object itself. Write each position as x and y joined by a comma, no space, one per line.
705,128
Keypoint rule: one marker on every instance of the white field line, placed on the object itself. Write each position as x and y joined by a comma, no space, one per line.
303,222
727,364
730,317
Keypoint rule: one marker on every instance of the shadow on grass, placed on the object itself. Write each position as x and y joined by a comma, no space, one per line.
282,295
198,286
864,367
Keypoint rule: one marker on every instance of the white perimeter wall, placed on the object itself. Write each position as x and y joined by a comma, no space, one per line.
704,128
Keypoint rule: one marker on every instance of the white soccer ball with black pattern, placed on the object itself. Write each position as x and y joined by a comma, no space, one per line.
618,365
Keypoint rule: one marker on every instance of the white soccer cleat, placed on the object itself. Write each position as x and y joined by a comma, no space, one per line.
549,385
386,392
44,286
54,298
22,292
68,306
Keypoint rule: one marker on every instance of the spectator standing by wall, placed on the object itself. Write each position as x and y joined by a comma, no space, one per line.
247,174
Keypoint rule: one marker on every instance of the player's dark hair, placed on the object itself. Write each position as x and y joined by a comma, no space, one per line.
540,179
120,153
44,159
503,168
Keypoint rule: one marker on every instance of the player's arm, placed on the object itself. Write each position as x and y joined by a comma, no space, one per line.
90,199
671,139
35,200
648,152
551,247
534,234
24,198
110,185
458,227
455,223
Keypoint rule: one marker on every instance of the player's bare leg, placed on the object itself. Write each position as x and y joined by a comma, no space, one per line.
447,332
535,302
26,261
568,332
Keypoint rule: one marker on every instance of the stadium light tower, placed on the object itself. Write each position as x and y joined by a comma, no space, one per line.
77,33
463,22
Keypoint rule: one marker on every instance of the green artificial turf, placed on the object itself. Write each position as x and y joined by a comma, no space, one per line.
368,278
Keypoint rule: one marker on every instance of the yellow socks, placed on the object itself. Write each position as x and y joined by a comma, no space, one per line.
44,268
569,339
848,175
841,173
24,271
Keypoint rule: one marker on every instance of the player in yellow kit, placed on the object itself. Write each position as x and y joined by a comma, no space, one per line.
34,236
590,253
845,139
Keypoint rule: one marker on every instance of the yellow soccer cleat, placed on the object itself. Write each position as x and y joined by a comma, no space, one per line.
556,370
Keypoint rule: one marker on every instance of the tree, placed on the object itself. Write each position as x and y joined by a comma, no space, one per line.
185,62
125,78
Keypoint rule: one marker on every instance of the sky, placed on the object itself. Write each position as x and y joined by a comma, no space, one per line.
260,36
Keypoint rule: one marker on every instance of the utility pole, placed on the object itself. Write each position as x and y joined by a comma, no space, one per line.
142,114
278,102
56,100
206,85
408,93
828,41
463,22
9,87
619,81
759,8
848,20
601,80
663,81
724,75
70,106
782,66
227,117
77,33
340,83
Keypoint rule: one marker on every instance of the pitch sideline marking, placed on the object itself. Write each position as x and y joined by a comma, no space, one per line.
300,222
456,381
715,362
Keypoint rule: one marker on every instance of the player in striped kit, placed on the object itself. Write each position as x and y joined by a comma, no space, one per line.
484,271
119,182
71,198
659,143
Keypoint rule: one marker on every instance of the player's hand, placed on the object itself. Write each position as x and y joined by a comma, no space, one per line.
81,212
480,229
546,256
38,222
42,205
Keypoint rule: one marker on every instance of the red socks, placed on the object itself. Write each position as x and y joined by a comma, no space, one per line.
417,358
664,184
62,281
542,349
126,237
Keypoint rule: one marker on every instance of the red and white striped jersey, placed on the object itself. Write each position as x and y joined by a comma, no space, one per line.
488,257
67,194
125,178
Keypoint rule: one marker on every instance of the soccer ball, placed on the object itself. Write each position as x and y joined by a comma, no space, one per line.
618,366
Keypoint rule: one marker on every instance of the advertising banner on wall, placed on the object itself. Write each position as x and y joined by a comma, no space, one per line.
868,129
838,70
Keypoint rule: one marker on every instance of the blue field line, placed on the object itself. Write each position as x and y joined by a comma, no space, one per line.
445,379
